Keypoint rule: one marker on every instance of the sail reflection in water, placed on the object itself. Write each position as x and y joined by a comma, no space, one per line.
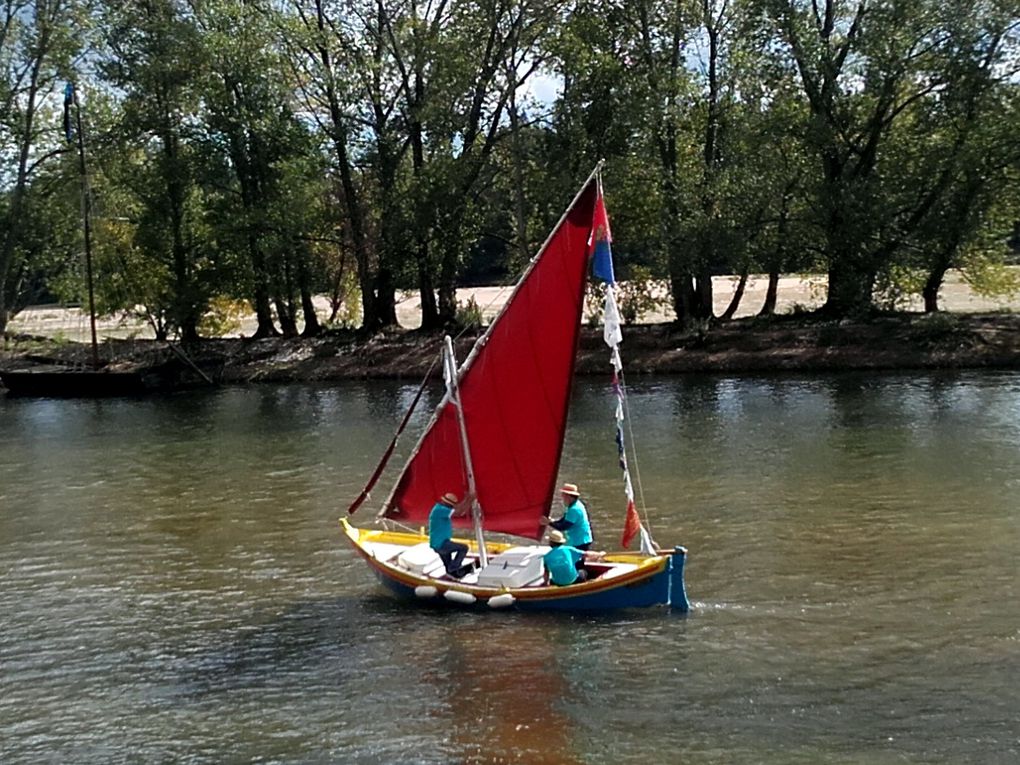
502,691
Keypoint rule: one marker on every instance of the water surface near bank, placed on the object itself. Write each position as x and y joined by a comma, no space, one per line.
173,585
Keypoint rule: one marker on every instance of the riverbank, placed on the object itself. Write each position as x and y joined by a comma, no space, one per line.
787,343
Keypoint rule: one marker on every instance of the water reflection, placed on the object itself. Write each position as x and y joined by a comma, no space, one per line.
504,690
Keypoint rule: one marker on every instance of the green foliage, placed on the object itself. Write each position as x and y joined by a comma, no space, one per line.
640,295
347,313
38,43
469,315
989,277
898,286
259,151
223,316
349,316
636,297
594,302
934,328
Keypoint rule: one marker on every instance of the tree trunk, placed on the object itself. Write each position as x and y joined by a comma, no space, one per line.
186,312
244,158
7,247
452,246
850,289
426,283
312,326
520,203
391,232
704,301
12,229
738,295
260,276
681,293
426,290
704,307
851,277
448,291
386,299
423,224
263,309
288,325
768,308
932,285
311,319
351,200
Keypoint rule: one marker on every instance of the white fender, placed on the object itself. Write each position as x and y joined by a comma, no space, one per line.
425,591
456,596
503,600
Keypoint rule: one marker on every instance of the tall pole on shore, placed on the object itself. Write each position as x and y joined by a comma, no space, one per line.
71,99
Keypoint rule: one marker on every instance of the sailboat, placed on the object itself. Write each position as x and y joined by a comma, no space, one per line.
95,381
498,435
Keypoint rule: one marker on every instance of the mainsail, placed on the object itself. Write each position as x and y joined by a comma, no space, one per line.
515,391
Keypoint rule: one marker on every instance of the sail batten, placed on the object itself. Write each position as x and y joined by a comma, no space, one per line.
514,390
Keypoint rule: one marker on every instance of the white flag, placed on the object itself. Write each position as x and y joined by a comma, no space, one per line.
647,544
611,333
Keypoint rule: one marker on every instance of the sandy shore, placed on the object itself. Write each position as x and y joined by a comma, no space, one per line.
807,292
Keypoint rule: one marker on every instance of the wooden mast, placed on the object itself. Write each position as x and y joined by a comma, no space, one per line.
86,203
476,509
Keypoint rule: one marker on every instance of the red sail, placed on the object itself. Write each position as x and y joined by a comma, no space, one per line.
515,390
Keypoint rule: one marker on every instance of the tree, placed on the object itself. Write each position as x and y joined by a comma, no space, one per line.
156,64
963,146
252,133
865,69
38,41
459,67
329,48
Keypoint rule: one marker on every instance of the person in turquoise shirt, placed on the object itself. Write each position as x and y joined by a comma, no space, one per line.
574,522
441,532
564,563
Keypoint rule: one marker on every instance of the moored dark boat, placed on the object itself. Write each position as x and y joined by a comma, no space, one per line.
70,383
65,382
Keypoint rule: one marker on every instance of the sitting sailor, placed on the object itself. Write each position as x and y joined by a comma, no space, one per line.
564,564
441,532
574,521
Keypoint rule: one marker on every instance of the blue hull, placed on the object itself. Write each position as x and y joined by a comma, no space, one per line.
665,588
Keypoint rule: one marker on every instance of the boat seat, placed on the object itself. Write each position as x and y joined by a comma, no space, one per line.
421,560
515,567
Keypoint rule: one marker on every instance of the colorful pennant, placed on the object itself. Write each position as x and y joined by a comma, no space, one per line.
602,268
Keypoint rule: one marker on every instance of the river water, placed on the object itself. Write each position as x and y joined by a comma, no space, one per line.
173,585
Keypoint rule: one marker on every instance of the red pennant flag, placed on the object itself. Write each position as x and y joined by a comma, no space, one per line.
631,526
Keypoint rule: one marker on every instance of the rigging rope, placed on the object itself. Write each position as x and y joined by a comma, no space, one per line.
365,493
633,450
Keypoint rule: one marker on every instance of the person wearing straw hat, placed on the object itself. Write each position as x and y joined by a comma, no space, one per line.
563,563
441,532
574,522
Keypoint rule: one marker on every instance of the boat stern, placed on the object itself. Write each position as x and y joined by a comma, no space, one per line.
677,588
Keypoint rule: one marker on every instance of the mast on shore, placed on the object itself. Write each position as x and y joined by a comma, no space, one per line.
71,100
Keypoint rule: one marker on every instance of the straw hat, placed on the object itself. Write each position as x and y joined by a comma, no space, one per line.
556,537
449,499
571,489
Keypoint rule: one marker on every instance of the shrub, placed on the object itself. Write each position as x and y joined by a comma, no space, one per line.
223,316
469,315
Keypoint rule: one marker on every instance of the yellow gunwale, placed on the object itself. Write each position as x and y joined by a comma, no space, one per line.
647,567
